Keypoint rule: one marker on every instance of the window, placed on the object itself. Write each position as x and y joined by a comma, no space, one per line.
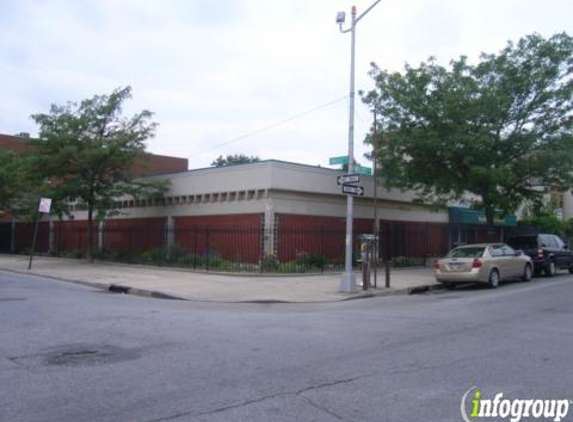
466,252
496,251
558,242
508,250
523,242
547,241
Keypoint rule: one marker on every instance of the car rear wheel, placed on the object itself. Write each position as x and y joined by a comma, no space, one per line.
571,269
550,269
493,280
527,273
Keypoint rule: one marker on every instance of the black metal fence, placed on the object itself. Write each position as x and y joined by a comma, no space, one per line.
223,248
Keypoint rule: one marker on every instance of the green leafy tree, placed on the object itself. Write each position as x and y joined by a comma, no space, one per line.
17,179
492,135
86,150
233,160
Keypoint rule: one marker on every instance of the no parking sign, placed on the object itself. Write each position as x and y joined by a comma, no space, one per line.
45,205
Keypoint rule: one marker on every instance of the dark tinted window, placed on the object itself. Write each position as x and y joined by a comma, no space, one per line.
558,242
523,242
547,241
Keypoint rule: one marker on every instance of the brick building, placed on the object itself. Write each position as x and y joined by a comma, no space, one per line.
259,209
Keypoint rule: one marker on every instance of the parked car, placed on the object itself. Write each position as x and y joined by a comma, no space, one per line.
483,263
547,251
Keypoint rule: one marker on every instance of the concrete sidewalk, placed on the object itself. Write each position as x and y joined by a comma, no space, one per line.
178,283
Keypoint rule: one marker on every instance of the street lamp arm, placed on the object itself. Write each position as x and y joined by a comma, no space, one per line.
372,6
366,11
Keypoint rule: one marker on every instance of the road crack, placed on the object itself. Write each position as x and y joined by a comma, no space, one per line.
325,410
262,399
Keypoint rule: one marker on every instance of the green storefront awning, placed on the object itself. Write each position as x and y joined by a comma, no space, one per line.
461,215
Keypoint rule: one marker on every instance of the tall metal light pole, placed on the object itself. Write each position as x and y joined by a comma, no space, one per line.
347,282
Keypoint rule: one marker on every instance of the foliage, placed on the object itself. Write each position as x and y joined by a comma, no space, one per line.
87,149
233,160
17,179
318,261
269,263
404,261
491,135
549,223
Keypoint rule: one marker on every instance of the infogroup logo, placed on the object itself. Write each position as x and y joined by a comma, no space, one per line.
512,409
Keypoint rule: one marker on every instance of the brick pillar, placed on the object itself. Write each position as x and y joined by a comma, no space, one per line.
170,231
269,246
100,233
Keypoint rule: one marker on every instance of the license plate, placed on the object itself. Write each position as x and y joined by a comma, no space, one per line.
456,267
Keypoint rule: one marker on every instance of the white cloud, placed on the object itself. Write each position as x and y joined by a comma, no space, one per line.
215,70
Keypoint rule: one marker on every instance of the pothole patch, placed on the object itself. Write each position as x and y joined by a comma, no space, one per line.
78,355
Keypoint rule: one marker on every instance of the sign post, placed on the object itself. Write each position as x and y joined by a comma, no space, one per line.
43,208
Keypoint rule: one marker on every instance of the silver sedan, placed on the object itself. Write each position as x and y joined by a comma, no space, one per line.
483,263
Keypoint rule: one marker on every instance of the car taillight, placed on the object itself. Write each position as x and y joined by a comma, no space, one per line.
540,253
477,263
436,265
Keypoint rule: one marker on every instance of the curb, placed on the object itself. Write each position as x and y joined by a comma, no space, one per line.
125,289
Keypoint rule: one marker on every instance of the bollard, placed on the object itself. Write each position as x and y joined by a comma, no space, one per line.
365,275
387,268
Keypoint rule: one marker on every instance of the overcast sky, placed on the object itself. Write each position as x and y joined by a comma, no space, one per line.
215,70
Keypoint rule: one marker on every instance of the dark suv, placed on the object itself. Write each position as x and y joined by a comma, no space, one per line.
547,251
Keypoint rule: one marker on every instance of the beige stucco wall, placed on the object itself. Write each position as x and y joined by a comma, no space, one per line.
272,187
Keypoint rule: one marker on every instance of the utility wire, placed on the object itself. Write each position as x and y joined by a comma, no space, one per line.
272,125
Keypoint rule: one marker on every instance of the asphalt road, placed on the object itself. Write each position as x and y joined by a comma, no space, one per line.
71,353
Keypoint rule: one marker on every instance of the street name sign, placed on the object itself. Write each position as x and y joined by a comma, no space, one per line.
353,190
363,170
338,160
348,179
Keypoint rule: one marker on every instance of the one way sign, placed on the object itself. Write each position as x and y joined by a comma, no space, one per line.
348,179
353,190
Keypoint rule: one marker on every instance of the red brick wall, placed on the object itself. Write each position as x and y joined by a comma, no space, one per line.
145,165
236,238
73,235
412,239
326,235
134,234
437,239
149,164
309,234
25,234
14,143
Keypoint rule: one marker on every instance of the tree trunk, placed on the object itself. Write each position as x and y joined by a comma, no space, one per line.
89,251
489,216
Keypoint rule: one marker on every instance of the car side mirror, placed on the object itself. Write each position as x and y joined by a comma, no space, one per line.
518,252
565,246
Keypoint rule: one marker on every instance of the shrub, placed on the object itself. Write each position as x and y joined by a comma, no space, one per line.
403,261
269,263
